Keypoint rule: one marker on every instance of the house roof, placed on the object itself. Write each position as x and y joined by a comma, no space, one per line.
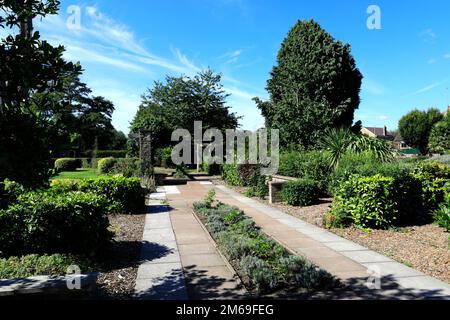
398,137
376,131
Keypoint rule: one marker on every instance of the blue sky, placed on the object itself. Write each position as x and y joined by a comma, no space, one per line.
125,46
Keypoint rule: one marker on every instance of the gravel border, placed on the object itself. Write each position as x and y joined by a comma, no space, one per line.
119,266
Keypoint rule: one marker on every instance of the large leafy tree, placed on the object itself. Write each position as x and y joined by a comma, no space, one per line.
181,101
315,85
415,127
28,65
439,141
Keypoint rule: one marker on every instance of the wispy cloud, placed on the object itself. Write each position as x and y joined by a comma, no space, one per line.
102,40
427,88
447,56
428,35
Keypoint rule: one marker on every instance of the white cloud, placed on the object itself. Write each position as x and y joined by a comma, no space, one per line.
383,117
427,88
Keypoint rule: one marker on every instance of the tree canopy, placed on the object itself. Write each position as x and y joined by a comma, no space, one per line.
179,102
315,85
415,127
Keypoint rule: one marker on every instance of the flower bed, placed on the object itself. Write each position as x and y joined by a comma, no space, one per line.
264,265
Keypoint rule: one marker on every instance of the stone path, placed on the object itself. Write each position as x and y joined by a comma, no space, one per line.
198,270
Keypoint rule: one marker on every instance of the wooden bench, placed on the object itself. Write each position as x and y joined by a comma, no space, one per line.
275,186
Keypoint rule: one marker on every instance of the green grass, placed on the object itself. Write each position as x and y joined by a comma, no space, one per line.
79,174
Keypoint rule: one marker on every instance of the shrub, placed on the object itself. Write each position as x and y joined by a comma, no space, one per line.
248,174
9,192
124,194
67,164
45,265
230,175
105,153
433,176
46,222
441,216
128,167
301,192
164,157
369,201
262,189
106,165
211,169
312,165
260,273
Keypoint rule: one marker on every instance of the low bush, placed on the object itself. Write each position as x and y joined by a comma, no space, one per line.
42,265
128,167
434,176
248,174
49,222
230,175
441,215
312,165
267,265
106,165
67,164
368,201
301,192
211,169
124,194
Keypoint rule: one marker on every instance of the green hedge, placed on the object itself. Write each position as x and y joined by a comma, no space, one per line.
313,165
434,177
441,215
9,192
301,192
40,265
106,165
67,164
105,153
128,167
48,222
124,195
267,264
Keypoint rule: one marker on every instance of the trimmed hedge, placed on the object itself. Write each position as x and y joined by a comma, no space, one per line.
106,165
128,167
124,195
301,192
313,165
48,222
67,164
105,153
40,265
268,265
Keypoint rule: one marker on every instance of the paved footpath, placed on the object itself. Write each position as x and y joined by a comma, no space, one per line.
207,275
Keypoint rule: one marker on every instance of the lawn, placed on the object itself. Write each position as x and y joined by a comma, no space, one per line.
79,174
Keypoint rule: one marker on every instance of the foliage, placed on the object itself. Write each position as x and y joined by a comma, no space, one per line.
433,176
439,141
301,192
416,126
230,175
9,192
368,201
106,165
338,142
315,85
39,265
48,222
248,174
268,265
128,167
181,101
67,164
441,216
106,153
306,165
164,157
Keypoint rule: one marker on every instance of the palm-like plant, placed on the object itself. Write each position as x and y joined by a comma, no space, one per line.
342,140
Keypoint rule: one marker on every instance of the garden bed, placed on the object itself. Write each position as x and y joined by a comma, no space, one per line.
121,261
424,248
264,266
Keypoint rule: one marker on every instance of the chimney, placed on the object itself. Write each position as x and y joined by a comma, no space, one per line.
385,131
